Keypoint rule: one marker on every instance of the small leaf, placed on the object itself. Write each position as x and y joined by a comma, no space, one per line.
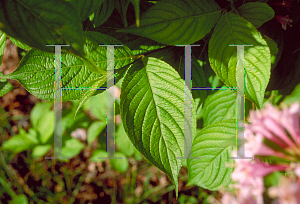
232,29
98,153
123,143
21,142
275,55
40,150
168,21
5,86
37,112
256,13
120,165
45,126
94,131
72,147
20,199
210,170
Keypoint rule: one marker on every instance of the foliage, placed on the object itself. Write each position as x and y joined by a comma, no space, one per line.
150,65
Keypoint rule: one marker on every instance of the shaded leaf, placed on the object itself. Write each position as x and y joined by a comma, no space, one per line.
168,21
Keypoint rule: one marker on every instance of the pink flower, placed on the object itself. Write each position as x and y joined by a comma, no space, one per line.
287,191
290,121
284,20
227,198
275,126
255,146
249,177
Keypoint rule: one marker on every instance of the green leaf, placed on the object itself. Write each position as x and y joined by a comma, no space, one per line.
94,131
97,106
40,150
19,44
210,171
169,21
232,29
21,142
120,165
98,153
256,13
39,26
294,97
72,147
103,12
90,92
38,111
123,143
272,179
219,106
20,199
152,110
136,5
274,51
5,86
86,7
2,43
45,126
36,71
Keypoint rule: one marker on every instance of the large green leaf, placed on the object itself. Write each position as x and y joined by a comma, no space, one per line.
177,21
232,29
36,71
152,110
256,13
210,170
86,7
219,106
40,22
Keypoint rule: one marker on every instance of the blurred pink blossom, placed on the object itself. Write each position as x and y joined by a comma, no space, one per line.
280,127
276,126
249,177
287,192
